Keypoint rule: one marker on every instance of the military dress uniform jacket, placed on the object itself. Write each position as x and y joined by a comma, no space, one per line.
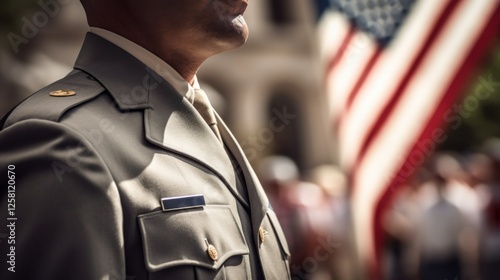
91,169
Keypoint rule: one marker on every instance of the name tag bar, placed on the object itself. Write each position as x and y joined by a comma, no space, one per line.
182,202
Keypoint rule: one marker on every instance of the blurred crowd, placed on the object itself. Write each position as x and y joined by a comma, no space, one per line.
314,215
443,224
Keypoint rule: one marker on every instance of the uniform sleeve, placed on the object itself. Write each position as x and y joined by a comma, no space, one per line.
63,219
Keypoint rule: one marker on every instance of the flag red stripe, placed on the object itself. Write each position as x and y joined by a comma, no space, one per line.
492,29
362,77
375,129
341,50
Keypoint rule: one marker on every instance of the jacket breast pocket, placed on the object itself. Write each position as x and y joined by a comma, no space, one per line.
203,243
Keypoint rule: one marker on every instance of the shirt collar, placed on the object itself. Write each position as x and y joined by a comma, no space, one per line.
152,61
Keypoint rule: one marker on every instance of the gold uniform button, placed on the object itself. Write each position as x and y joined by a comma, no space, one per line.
212,251
262,235
62,93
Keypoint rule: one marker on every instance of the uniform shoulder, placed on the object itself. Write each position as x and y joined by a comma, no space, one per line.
51,102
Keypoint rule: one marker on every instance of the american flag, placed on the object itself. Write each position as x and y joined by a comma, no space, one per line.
394,68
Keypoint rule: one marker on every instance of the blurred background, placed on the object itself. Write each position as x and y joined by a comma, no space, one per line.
373,124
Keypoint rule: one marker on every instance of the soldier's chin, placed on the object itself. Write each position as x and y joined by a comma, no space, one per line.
231,33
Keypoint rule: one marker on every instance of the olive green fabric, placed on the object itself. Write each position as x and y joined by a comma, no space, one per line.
92,168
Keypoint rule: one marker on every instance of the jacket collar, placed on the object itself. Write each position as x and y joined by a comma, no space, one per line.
170,121
149,59
123,76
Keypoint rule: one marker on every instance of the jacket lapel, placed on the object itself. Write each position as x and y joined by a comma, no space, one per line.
170,121
258,199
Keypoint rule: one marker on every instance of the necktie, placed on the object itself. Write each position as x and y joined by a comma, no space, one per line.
202,104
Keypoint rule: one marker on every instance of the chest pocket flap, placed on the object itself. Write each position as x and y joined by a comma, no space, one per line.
180,238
